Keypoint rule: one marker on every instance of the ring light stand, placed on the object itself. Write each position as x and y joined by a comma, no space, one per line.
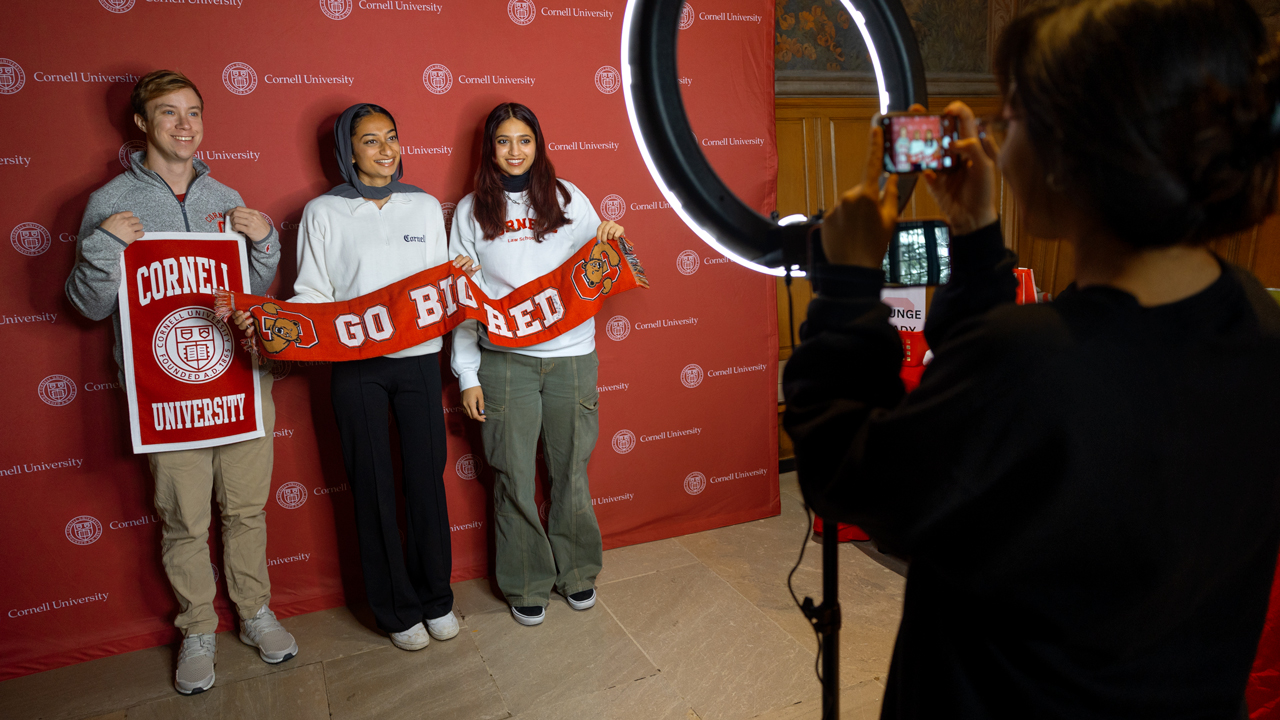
701,199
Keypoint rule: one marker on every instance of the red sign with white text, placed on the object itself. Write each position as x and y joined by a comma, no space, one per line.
188,384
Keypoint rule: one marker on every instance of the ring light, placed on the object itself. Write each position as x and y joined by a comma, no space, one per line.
671,152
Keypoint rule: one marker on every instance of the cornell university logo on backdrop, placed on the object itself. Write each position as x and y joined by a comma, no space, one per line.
191,345
84,530
336,9
437,78
686,16
128,149
30,239
117,6
618,327
467,467
11,77
448,210
291,495
239,78
521,12
695,482
608,80
687,262
613,207
691,376
57,390
624,441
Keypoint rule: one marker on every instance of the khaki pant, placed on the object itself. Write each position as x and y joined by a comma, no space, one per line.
239,476
555,398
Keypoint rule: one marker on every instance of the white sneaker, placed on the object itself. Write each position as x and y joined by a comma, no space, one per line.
529,615
264,631
415,638
195,663
444,627
582,600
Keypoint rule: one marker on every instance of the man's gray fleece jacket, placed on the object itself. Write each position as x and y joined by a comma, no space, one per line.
95,281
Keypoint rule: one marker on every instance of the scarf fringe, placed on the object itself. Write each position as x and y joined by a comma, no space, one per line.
629,252
224,304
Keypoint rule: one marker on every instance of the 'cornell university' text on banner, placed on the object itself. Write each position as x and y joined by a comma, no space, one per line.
187,386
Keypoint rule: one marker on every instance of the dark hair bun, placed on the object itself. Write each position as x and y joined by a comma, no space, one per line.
1161,111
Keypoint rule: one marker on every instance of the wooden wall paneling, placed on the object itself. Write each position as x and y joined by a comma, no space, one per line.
793,173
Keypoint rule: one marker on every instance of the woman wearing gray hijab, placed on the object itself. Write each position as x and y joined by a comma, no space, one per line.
362,235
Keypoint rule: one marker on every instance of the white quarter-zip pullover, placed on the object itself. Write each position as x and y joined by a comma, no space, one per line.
513,259
347,247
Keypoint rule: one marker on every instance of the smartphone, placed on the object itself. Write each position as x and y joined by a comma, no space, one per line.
914,142
919,254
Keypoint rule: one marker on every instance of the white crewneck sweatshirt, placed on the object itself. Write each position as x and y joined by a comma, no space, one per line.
513,259
347,247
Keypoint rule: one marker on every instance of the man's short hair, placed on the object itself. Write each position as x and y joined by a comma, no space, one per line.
157,84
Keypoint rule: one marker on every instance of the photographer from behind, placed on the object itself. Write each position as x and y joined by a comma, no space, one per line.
1088,490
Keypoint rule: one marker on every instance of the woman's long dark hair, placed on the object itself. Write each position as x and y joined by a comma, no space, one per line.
490,208
1160,113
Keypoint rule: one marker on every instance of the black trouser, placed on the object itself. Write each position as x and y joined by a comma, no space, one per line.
401,594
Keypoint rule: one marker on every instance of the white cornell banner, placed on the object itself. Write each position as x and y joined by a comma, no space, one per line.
189,381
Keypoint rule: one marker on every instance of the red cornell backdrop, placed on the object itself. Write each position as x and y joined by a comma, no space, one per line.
688,374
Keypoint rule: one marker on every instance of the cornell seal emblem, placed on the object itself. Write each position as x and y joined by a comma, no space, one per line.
30,239
608,80
57,390
624,441
521,12
618,328
127,150
437,79
192,345
686,16
467,467
291,495
691,376
117,6
11,77
448,209
695,482
613,207
239,78
687,262
335,9
84,530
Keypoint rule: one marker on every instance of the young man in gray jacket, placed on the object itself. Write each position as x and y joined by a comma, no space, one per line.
166,189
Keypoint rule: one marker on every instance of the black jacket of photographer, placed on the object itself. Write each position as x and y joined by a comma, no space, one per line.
1088,490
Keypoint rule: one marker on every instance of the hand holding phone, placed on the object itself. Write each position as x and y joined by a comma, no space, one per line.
915,142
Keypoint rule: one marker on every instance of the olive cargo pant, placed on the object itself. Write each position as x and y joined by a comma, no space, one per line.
239,476
525,397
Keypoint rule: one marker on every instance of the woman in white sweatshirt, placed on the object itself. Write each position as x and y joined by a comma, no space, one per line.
521,223
363,235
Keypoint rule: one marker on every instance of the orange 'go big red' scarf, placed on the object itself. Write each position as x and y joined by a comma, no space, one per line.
429,304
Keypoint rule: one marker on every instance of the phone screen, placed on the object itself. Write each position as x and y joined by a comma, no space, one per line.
919,254
919,142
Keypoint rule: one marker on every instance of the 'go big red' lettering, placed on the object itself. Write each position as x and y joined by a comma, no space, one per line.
375,325
434,303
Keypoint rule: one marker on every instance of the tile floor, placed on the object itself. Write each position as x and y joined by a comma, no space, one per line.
699,627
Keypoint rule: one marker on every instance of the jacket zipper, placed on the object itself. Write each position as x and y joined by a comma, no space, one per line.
181,204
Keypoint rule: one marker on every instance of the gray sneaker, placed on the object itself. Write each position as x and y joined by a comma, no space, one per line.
195,663
264,631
